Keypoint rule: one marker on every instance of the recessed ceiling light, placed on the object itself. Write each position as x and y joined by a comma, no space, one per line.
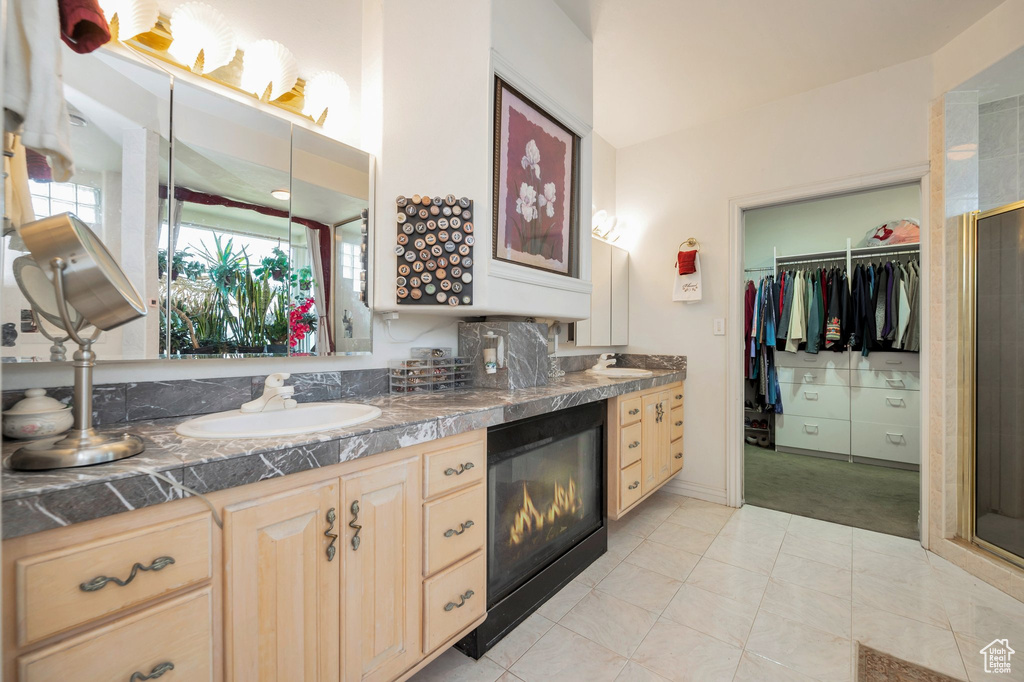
282,194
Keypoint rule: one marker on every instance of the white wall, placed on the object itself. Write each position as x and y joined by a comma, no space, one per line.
679,186
823,224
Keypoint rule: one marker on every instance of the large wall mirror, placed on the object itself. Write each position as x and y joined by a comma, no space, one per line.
247,234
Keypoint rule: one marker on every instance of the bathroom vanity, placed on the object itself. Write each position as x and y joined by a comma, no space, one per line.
353,554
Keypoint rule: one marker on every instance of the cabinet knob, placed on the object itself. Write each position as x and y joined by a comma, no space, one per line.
462,529
331,549
352,524
462,600
636,484
634,444
679,455
156,672
679,396
100,581
461,470
679,423
635,411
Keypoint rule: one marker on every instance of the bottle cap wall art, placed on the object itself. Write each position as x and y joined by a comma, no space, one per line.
435,245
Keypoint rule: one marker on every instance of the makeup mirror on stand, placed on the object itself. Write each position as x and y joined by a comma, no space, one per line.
81,285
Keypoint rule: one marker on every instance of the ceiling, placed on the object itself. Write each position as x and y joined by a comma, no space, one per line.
662,66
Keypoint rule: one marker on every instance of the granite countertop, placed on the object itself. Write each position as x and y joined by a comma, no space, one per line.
36,501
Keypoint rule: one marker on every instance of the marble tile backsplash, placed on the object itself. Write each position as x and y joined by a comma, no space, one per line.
1000,152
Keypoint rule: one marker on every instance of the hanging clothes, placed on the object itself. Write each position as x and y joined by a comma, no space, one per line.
762,311
798,318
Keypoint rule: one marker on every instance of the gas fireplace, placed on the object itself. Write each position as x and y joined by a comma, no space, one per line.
546,520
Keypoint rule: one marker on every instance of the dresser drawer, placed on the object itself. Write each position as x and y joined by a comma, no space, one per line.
826,359
454,528
454,468
177,633
809,433
629,410
814,376
452,600
884,406
677,396
894,380
907,362
890,442
676,457
630,444
78,584
675,419
827,402
629,485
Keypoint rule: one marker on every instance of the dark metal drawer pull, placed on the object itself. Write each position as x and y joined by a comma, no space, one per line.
156,672
635,485
679,423
462,468
331,549
462,529
679,455
634,444
635,410
100,581
679,396
462,600
356,526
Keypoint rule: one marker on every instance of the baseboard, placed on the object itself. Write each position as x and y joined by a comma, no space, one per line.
701,492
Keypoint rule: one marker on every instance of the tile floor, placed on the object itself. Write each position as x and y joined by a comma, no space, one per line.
691,590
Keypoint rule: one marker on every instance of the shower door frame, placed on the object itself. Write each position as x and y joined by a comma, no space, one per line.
967,460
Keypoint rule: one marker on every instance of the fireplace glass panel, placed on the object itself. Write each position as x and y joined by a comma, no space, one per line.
542,501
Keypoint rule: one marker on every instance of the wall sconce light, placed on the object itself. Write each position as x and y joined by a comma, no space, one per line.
129,18
202,38
268,70
326,93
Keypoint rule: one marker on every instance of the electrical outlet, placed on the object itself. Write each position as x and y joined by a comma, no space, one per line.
719,326
389,316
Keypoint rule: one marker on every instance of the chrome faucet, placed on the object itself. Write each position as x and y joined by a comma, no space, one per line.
605,361
276,396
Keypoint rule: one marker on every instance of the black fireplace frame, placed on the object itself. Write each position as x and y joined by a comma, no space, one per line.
506,440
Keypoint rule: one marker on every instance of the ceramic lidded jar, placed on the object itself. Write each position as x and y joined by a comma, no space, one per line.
37,416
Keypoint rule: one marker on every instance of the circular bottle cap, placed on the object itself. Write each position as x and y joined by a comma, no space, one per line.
424,213
443,223
407,228
467,227
431,225
446,284
415,281
450,199
421,227
456,237
410,210
457,210
442,236
442,262
467,277
456,272
431,265
466,300
447,210
410,256
464,249
401,281
437,201
441,297
467,261
434,210
430,289
441,272
425,200
403,239
399,250
431,239
400,218
464,202
467,214
454,259
453,300
417,266
416,293
426,277
424,254
416,198
457,287
419,244
449,246
436,250
402,292
470,239
401,201
403,269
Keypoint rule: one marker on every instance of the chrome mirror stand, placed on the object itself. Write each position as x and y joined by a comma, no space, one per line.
82,445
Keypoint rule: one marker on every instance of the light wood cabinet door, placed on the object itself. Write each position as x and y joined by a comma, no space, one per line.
282,602
656,438
665,436
381,598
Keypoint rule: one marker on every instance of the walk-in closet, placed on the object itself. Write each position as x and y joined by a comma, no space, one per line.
832,375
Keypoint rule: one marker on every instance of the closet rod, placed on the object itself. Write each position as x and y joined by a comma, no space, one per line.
826,259
887,252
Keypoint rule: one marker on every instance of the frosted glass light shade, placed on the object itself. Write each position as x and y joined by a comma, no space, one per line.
268,63
133,16
326,93
197,28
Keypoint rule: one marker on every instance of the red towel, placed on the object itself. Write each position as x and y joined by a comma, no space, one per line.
687,263
82,25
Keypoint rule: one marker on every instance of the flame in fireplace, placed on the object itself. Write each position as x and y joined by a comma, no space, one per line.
529,519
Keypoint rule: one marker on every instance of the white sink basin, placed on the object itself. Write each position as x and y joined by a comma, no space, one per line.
306,418
621,372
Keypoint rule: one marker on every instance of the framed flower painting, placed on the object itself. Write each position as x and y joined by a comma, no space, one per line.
535,185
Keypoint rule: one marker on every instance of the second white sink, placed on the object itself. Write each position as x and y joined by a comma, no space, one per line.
306,418
621,372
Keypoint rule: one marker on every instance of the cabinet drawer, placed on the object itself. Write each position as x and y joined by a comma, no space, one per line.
883,406
677,396
826,359
629,485
894,380
452,600
907,362
630,444
177,633
75,585
675,419
887,441
826,402
452,469
629,410
676,457
810,433
454,528
816,376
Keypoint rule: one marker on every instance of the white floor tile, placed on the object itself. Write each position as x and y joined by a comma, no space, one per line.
455,666
518,642
820,530
708,519
722,618
974,661
640,587
908,639
809,651
810,607
922,601
754,668
682,537
831,553
682,654
634,672
894,568
813,574
748,514
888,544
561,654
597,571
563,601
753,554
669,561
611,622
509,677
730,581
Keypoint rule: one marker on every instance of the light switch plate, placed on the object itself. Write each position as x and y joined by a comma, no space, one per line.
719,326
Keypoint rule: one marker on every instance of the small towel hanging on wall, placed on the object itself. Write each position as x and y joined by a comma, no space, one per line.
687,286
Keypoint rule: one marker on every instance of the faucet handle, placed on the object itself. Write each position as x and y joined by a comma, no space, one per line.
276,380
606,356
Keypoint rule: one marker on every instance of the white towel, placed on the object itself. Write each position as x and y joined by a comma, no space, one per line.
33,85
688,287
